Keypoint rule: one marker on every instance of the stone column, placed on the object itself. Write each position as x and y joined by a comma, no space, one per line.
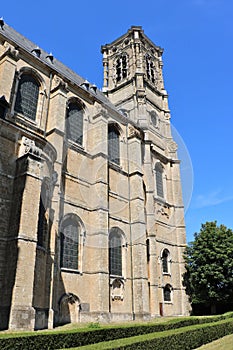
96,245
138,227
56,131
23,229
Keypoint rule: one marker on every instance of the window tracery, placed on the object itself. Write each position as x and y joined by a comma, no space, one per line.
113,144
27,96
121,67
74,122
150,69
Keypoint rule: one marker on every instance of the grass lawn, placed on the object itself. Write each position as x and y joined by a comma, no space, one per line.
225,343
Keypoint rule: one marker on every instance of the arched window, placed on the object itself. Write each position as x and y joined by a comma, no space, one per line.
74,122
150,69
43,220
159,180
113,144
167,292
165,261
115,252
27,96
70,232
121,67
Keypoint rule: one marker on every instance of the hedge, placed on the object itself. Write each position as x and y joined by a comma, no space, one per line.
58,340
180,339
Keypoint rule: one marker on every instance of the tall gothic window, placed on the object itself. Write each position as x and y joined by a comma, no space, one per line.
150,69
115,252
113,144
43,220
121,67
159,180
70,233
167,293
165,262
27,96
74,123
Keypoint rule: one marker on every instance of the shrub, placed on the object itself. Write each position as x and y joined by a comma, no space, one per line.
58,340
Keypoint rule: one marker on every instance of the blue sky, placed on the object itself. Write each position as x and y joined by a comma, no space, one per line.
197,36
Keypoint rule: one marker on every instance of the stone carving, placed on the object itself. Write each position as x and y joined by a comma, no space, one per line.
117,289
164,210
29,146
133,132
11,51
172,146
59,83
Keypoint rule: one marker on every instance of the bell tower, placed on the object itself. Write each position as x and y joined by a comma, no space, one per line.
133,79
133,82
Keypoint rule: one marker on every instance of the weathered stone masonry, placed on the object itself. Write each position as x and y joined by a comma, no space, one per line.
92,220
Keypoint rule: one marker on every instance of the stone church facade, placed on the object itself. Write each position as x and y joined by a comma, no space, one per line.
92,218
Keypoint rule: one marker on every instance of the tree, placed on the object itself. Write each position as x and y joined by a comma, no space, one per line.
209,266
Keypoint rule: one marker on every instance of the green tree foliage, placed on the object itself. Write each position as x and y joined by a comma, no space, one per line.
209,265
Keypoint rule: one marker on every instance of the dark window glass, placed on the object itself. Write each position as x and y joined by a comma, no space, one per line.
27,97
115,254
165,260
150,70
70,244
74,123
159,180
167,293
121,68
113,145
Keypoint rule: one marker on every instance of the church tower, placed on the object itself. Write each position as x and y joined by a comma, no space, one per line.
133,78
133,81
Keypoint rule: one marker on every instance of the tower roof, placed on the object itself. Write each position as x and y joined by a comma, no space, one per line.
137,33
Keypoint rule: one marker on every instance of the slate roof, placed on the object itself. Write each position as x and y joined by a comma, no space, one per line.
27,45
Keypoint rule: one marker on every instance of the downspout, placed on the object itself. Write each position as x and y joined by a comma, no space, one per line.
47,109
130,226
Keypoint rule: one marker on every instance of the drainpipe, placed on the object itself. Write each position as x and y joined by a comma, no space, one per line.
130,226
47,110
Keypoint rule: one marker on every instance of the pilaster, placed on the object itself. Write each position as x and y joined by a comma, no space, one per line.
22,314
8,62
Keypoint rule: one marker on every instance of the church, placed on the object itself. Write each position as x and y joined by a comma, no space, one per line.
92,218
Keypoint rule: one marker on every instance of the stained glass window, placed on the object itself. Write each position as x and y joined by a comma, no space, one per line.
165,260
74,123
115,253
159,180
113,144
70,244
167,293
27,96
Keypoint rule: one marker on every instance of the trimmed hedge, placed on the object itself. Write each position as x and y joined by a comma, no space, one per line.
188,340
180,339
58,340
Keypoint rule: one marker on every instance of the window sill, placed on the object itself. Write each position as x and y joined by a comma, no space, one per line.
75,146
160,199
113,277
64,269
22,118
114,165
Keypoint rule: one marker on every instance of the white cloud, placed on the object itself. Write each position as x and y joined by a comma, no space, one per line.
211,199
